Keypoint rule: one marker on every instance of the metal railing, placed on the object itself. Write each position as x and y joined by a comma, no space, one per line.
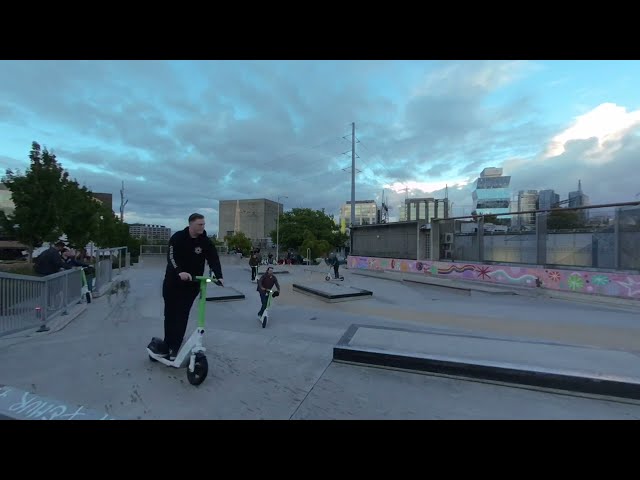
153,249
108,259
159,250
29,301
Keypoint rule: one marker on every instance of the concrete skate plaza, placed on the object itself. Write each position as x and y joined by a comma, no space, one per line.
97,363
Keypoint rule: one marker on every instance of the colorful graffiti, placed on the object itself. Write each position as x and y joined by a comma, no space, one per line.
598,283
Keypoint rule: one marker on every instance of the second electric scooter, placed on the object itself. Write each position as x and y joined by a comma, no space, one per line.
262,320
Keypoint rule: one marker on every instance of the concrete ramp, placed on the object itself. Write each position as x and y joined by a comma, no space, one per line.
537,364
331,292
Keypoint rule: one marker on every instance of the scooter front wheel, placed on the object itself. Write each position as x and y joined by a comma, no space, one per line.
200,370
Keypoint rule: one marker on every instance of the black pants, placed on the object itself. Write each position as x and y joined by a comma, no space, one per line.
335,270
254,273
178,300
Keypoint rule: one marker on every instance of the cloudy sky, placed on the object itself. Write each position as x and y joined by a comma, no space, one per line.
184,134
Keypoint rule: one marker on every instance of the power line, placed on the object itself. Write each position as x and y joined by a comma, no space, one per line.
382,166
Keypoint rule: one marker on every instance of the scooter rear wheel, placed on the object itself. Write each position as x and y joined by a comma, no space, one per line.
200,370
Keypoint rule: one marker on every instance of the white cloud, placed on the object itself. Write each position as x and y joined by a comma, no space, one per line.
607,123
426,187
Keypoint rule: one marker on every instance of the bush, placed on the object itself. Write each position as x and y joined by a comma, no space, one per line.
17,268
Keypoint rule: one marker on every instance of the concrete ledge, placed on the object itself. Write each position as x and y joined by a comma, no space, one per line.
348,293
264,269
443,283
226,294
454,367
452,284
455,288
61,321
564,377
627,304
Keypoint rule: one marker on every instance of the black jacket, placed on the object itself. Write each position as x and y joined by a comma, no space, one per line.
188,254
50,262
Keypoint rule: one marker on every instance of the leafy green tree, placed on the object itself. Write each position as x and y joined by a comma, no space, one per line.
240,242
38,196
561,219
318,248
80,220
295,223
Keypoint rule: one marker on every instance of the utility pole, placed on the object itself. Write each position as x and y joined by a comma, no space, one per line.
123,202
353,184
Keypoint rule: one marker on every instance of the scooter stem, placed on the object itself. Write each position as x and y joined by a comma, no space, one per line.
203,299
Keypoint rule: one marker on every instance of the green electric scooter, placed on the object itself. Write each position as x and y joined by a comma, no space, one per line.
192,352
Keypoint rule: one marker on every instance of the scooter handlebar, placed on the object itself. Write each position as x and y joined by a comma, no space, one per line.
198,279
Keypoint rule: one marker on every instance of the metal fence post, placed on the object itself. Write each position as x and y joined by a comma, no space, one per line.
45,315
541,239
481,239
616,240
66,293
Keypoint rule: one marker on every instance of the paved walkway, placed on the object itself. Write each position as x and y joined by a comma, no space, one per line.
285,371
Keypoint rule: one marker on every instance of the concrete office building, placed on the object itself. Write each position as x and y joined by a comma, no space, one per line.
366,212
256,218
527,202
424,209
153,233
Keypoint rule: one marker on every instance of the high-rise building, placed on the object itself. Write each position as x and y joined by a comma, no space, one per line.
256,218
579,199
492,195
547,199
527,202
366,212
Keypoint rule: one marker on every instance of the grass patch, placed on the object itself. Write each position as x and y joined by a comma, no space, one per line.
17,268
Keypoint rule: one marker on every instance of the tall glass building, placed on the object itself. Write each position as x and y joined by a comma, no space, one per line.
492,194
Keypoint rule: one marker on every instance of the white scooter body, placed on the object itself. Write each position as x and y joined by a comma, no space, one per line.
186,354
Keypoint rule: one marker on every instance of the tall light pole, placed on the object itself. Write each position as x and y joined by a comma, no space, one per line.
278,228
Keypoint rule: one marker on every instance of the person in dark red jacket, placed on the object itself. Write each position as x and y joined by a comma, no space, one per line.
266,282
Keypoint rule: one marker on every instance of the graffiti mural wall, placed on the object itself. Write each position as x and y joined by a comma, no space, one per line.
599,283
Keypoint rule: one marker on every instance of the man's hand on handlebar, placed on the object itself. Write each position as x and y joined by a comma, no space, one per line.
217,281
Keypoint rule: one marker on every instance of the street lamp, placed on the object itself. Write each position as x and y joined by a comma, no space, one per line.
278,228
